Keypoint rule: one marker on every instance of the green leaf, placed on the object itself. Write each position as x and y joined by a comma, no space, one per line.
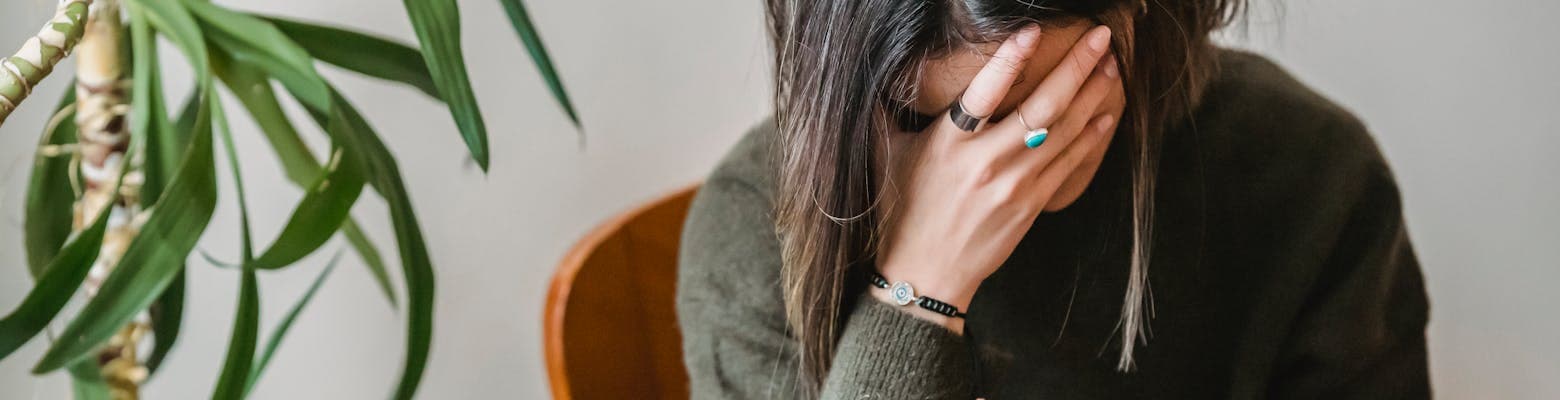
280,331
352,132
187,114
233,381
329,198
544,65
362,53
215,262
54,288
152,259
252,88
87,383
348,130
148,110
370,254
174,20
168,312
253,40
317,217
48,224
167,319
49,216
234,378
437,23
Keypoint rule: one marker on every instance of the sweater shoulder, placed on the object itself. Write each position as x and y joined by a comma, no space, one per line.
1258,121
750,163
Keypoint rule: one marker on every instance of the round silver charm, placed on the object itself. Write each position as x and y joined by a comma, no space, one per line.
902,293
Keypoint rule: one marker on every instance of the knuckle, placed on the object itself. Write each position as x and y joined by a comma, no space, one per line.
983,177
1007,65
1005,194
977,101
1045,110
1080,67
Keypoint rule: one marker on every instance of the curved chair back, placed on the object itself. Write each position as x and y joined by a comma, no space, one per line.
610,325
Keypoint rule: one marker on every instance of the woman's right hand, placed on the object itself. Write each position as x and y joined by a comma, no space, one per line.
963,200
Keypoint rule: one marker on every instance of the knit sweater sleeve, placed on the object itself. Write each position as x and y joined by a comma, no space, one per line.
735,341
885,353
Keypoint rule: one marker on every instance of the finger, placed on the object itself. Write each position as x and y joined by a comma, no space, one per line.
1055,93
991,84
1084,105
1050,180
1076,183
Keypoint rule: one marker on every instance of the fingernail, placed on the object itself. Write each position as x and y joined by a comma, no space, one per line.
1105,123
1110,66
1029,35
1100,38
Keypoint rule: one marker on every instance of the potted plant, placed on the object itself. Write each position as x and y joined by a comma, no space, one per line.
120,190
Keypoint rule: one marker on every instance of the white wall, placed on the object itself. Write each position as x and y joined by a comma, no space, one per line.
1461,95
1463,98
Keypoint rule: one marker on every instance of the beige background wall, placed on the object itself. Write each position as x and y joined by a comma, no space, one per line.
1462,95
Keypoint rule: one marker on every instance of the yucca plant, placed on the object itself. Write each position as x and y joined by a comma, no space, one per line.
120,192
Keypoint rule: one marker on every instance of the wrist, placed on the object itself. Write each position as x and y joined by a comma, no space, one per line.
953,324
942,301
939,283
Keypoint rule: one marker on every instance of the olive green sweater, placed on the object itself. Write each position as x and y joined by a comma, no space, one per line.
1281,269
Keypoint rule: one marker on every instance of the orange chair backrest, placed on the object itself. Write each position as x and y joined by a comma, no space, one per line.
610,327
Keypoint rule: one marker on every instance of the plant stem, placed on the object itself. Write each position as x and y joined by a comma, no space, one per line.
101,144
37,57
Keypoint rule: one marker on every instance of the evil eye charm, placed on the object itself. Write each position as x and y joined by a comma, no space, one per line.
902,293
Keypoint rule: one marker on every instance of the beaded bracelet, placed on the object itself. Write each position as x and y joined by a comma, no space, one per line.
903,294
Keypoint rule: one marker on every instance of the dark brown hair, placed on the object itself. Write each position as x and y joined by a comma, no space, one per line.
844,68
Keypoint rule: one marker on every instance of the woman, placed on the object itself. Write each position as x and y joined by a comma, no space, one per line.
963,198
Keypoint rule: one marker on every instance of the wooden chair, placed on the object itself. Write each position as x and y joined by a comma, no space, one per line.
610,327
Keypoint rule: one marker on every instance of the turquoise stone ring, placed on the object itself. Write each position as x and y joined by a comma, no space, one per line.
1035,137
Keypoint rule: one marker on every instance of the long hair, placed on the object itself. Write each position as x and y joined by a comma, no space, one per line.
842,68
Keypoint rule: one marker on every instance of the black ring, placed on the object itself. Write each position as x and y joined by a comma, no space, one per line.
961,118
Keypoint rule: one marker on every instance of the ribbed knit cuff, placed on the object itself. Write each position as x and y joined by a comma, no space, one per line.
885,353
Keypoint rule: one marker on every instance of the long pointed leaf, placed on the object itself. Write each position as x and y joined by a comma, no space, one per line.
349,131
362,53
329,198
370,255
148,110
316,218
54,288
347,127
152,259
49,216
48,223
175,21
280,331
253,89
544,65
271,50
87,382
167,320
437,23
233,381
